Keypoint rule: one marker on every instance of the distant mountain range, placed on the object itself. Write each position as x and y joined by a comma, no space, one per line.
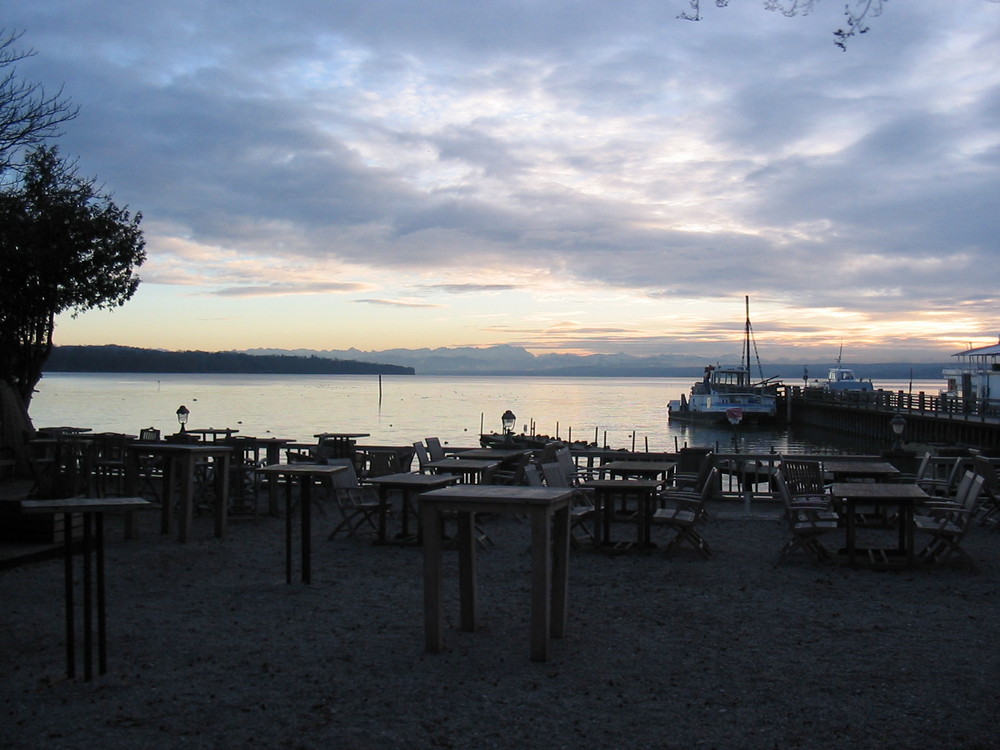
513,360
131,359
494,360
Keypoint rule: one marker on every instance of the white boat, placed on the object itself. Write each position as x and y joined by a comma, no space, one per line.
727,393
840,378
976,379
843,379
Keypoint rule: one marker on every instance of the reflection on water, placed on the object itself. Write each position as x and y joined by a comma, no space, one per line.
401,409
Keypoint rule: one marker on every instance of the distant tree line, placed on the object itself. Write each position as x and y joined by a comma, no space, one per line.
131,359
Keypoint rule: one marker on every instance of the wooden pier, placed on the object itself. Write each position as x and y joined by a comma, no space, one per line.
930,419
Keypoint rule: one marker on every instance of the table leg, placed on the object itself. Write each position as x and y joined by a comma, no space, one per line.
383,512
541,583
560,572
167,492
88,606
467,573
849,504
68,594
273,457
305,501
102,639
185,465
288,529
221,493
430,523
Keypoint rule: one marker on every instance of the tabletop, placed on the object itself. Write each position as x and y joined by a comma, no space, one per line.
875,492
341,435
410,479
302,469
623,485
643,467
85,505
861,468
499,493
491,454
460,464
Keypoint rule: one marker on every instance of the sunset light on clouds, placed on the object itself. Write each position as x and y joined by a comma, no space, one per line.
563,176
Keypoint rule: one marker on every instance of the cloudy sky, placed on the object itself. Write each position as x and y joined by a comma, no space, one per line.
567,176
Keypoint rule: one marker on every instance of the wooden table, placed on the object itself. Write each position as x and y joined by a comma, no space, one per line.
306,474
644,490
179,462
93,510
641,469
491,454
903,496
845,470
410,485
470,470
341,442
548,509
213,432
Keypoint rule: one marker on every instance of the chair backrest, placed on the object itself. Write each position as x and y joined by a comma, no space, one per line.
690,460
434,448
709,485
381,463
990,473
343,479
532,476
972,490
565,459
422,458
803,477
149,434
555,475
922,467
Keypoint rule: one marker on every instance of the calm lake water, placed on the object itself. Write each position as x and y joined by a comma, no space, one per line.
411,408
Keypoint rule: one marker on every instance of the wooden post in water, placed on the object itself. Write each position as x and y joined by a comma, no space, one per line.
633,441
380,389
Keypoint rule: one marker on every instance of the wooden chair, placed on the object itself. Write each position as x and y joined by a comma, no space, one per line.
357,504
682,512
990,508
422,457
807,520
804,479
693,465
583,514
948,524
434,448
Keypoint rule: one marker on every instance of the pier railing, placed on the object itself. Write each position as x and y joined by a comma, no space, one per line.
903,401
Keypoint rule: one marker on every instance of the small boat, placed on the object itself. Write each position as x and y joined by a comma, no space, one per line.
727,393
840,378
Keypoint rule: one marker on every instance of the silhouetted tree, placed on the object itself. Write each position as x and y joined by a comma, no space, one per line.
28,114
857,13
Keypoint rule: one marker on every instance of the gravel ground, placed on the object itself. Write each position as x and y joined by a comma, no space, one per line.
209,648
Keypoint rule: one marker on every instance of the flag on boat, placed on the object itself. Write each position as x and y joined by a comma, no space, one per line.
734,414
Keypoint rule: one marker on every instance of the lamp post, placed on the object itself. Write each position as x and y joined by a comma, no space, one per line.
508,420
182,416
898,424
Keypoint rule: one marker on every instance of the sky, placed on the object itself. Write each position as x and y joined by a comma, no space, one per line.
569,177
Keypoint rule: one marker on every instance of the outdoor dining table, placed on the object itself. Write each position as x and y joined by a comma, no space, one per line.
93,510
492,454
643,490
469,470
213,432
548,510
307,474
411,485
640,469
846,470
881,495
179,465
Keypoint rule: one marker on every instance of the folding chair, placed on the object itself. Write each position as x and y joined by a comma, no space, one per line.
682,512
947,526
808,519
583,514
358,504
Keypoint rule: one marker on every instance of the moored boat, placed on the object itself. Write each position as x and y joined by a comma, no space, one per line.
727,393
